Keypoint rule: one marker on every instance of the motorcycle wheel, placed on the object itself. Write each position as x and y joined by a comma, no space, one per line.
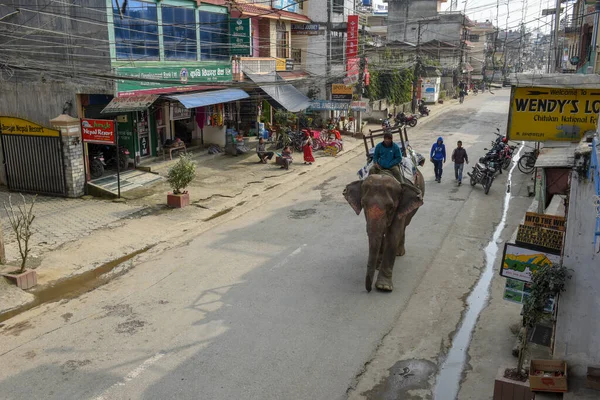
96,169
473,181
506,163
412,123
123,162
487,185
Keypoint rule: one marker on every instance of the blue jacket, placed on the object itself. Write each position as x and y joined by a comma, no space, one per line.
387,157
438,151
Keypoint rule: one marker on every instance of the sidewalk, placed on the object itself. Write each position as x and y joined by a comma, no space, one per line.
77,236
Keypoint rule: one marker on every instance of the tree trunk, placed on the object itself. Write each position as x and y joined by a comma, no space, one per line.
522,351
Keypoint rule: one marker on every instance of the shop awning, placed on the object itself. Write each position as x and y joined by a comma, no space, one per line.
284,94
128,104
202,99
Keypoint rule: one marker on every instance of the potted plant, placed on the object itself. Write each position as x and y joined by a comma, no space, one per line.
179,177
21,221
547,281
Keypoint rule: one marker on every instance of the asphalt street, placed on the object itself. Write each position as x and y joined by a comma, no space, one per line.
272,305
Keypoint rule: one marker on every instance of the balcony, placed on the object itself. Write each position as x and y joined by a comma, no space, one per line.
257,65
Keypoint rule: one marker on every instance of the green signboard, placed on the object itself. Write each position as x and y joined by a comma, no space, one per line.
240,37
150,80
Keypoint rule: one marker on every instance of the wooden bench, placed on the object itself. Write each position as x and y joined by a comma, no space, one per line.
171,149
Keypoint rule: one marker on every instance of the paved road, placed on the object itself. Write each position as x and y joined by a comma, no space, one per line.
270,306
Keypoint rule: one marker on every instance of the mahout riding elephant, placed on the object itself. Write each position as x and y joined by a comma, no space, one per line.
389,207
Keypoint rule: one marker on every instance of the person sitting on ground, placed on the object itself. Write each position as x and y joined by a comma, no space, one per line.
261,150
388,156
240,145
286,157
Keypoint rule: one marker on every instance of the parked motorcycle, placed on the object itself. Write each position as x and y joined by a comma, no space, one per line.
110,156
403,119
386,123
483,173
423,110
96,164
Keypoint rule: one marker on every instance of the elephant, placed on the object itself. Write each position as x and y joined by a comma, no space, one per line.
389,208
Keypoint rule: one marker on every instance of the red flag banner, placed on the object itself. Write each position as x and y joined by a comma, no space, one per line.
352,37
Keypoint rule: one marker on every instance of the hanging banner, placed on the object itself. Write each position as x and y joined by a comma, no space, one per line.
540,114
352,37
519,262
101,131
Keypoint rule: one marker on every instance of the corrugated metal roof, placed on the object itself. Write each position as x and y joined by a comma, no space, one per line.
557,157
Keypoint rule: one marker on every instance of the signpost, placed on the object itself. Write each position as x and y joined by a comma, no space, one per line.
541,114
101,131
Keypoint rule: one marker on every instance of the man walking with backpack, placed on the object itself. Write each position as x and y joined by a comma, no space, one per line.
438,158
459,157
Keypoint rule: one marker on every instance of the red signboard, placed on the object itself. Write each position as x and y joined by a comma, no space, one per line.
352,37
98,131
352,66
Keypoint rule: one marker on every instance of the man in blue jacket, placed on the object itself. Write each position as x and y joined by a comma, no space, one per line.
438,158
388,156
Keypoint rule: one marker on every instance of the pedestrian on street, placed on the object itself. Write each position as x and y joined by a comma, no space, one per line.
459,157
307,144
438,158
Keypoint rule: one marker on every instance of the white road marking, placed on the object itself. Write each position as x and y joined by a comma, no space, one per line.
132,375
287,259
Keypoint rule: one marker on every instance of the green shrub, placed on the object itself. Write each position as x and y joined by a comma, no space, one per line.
182,173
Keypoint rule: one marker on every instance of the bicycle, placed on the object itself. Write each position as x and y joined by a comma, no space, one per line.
527,161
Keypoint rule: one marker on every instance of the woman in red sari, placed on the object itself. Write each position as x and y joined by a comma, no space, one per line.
307,147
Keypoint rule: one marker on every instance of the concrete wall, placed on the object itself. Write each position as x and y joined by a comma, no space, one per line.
214,135
578,326
43,67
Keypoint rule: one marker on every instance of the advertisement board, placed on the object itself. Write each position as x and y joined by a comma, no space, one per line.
352,37
101,131
341,92
157,80
541,114
519,262
240,37
19,126
324,105
546,221
540,238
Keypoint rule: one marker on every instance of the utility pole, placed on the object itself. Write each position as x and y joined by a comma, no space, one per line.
328,62
417,70
361,76
556,31
418,62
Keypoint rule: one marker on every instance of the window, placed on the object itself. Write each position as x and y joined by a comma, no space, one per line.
338,47
474,38
214,39
136,30
338,6
297,56
179,33
282,41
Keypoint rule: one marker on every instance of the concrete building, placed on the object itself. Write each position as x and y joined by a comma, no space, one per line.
482,38
453,27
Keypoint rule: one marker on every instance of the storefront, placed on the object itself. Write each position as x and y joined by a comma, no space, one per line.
149,114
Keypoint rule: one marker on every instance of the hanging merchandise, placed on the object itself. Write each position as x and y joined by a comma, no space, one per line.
220,115
201,117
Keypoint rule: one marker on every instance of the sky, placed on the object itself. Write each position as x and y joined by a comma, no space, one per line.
509,13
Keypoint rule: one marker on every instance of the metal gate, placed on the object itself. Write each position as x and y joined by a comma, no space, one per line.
33,157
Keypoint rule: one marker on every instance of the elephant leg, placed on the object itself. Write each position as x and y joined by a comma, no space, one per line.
400,250
384,278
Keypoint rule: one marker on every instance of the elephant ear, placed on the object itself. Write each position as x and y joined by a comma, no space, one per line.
410,199
352,194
